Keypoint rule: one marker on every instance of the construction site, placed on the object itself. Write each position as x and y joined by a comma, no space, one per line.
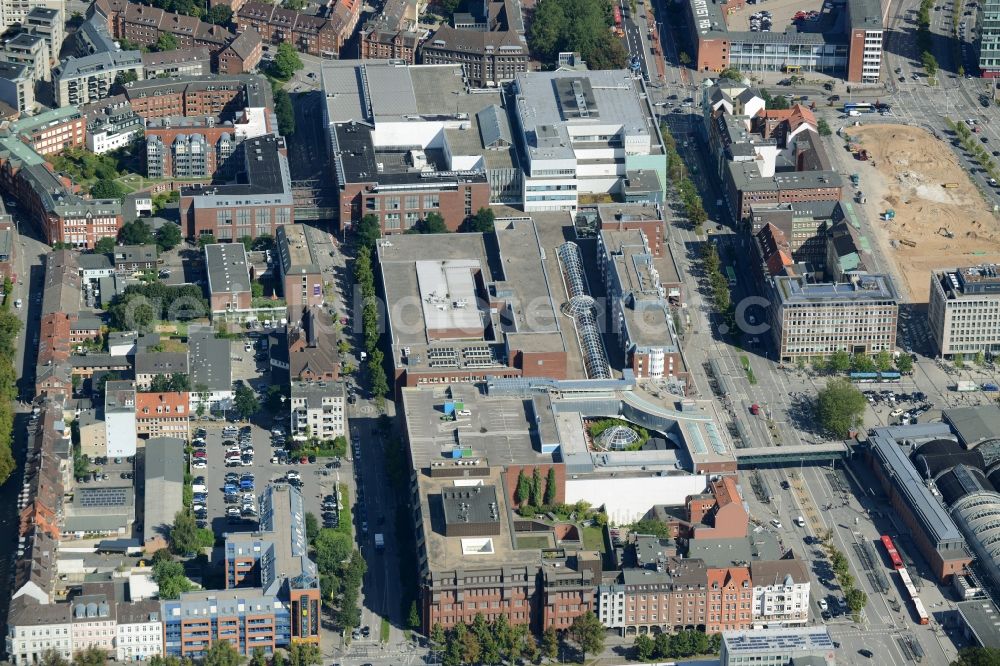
926,213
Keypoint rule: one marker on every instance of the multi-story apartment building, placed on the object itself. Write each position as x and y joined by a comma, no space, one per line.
780,592
298,269
111,124
34,629
187,148
213,95
196,61
17,87
393,34
318,409
90,78
730,599
988,43
665,593
242,54
119,418
581,133
140,631
964,310
148,365
32,51
228,271
15,12
163,414
810,319
131,259
307,33
255,206
49,23
53,131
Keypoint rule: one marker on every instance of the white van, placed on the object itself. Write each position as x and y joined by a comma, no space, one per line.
800,521
775,523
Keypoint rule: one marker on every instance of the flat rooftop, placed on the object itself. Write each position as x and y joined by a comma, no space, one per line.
983,619
418,270
227,268
295,250
499,430
974,425
864,287
448,553
780,639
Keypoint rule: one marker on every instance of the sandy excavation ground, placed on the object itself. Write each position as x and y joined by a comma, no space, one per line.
910,168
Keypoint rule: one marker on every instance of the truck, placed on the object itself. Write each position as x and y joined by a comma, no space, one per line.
949,186
964,386
379,541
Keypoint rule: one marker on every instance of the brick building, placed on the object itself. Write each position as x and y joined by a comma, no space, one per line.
258,203
53,131
214,95
242,54
298,268
187,147
162,415
229,278
454,341
309,34
393,34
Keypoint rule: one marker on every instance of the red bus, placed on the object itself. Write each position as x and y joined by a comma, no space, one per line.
618,16
894,558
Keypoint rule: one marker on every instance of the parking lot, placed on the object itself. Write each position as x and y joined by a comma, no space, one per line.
317,479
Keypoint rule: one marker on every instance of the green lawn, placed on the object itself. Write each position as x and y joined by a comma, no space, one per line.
593,538
532,542
384,632
345,513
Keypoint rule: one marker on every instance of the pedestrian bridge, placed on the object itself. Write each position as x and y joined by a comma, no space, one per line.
786,455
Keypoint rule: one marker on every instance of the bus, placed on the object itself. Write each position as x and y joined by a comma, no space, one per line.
864,377
859,107
890,548
731,274
889,376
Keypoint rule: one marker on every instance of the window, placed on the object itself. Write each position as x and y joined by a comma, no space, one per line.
432,201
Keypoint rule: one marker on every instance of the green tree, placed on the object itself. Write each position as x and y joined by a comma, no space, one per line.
52,657
588,633
333,547
778,103
168,236
245,401
433,223
731,73
312,527
856,600
219,15
92,656
862,363
980,359
883,361
107,189
222,653
522,491
127,76
904,363
413,616
471,649
304,654
369,231
258,658
184,533
977,656
105,245
482,221
840,361
839,407
284,112
170,578
180,382
684,58
438,638
536,488
380,383
256,289
165,42
959,360
286,61
550,643
206,239
136,232
644,647
823,127
278,659
550,486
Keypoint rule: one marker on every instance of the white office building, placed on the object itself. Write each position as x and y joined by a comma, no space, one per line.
964,310
319,409
582,133
780,593
119,418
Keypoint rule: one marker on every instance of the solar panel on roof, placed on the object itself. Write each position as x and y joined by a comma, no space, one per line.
97,497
